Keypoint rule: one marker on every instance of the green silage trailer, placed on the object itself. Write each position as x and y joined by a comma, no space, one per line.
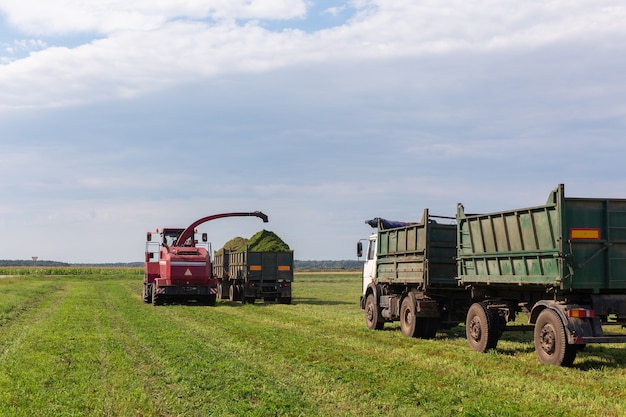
562,263
250,275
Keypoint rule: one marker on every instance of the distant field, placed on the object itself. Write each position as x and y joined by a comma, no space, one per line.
81,343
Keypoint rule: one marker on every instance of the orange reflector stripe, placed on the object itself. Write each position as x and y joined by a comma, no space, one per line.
581,313
255,268
584,233
284,268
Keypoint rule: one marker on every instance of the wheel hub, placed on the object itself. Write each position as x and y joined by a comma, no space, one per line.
408,317
548,339
474,329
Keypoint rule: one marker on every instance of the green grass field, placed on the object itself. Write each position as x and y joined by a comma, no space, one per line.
82,343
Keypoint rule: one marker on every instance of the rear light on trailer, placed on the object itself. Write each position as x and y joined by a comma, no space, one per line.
581,313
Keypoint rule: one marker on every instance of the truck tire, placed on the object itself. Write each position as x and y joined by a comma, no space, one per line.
373,318
551,340
284,300
480,328
408,319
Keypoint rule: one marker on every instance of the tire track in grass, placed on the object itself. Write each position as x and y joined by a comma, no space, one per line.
144,340
19,299
215,379
23,368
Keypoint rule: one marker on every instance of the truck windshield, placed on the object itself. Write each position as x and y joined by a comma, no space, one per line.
371,250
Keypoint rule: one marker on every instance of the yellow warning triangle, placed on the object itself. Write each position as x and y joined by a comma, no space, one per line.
188,272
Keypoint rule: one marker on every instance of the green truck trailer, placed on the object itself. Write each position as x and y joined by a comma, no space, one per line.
248,275
409,275
563,264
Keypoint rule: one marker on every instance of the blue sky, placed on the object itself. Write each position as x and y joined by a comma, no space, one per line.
119,118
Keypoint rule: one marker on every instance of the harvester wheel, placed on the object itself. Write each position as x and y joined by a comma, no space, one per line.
147,293
210,299
551,341
480,328
157,299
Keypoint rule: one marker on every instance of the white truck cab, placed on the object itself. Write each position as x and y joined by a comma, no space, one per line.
369,265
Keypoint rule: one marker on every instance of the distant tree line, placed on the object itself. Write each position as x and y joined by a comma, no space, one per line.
342,265
21,262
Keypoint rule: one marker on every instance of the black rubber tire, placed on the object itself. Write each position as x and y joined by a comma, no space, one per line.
551,340
210,299
373,319
147,293
284,300
408,320
480,329
157,299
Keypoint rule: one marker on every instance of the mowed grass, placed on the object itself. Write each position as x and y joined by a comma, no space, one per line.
84,344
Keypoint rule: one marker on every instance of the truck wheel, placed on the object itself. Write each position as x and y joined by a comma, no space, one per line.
284,300
373,319
408,320
551,341
480,328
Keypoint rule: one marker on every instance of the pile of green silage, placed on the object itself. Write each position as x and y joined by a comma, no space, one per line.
262,241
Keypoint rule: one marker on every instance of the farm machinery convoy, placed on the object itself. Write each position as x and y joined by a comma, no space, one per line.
178,266
563,264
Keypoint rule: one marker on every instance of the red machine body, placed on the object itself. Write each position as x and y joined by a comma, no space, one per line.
178,264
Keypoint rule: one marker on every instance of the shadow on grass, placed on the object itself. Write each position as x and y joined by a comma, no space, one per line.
588,358
294,301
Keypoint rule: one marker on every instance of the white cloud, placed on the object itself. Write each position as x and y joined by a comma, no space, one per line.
109,16
151,46
169,111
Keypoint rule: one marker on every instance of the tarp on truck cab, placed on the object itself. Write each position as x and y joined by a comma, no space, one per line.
386,224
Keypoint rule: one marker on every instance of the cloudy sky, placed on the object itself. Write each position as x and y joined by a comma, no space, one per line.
118,117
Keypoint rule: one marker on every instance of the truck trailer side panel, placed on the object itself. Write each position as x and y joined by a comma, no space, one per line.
417,254
571,244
